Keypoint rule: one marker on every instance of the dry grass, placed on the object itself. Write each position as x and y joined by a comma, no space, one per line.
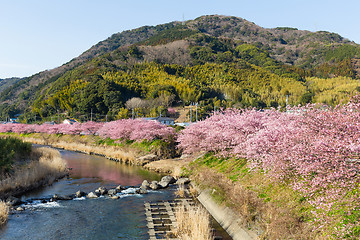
271,220
109,151
192,223
177,171
4,212
86,145
46,166
193,191
180,192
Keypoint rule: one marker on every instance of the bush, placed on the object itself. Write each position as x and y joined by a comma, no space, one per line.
10,149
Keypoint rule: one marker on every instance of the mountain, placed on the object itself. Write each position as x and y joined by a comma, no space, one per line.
7,82
214,60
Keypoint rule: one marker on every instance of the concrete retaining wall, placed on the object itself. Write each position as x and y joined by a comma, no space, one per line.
226,218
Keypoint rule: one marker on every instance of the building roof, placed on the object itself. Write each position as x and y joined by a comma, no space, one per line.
161,119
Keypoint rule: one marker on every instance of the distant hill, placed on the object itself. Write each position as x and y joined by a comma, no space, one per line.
215,60
7,82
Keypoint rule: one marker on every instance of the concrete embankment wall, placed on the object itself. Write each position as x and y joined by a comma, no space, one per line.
226,218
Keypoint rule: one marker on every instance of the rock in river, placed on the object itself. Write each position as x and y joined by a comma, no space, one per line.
93,195
112,192
60,197
165,181
141,191
154,185
80,194
145,185
120,188
101,190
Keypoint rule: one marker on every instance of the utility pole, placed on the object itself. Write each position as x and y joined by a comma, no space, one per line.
190,112
287,100
106,118
58,117
91,116
196,104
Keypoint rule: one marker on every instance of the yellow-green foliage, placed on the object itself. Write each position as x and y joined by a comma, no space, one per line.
106,90
236,83
333,90
63,99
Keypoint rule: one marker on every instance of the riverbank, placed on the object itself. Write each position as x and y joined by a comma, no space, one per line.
24,169
84,218
129,152
245,203
268,210
43,167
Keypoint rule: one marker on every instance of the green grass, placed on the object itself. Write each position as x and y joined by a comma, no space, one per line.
232,168
278,195
218,195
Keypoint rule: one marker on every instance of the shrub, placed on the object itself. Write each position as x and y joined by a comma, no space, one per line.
10,149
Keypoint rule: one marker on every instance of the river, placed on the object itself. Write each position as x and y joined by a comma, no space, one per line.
101,218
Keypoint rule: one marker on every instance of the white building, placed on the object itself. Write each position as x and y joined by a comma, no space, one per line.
163,120
69,121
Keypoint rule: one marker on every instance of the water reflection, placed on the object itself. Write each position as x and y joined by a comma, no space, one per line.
101,218
85,166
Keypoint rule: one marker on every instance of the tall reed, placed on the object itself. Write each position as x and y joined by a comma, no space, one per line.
109,151
4,212
192,223
47,166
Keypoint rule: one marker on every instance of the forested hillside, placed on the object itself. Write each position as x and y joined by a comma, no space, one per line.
7,82
216,61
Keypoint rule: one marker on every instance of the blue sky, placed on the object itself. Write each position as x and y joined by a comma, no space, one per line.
42,34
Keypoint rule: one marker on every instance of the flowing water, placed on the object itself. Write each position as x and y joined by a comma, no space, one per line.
101,218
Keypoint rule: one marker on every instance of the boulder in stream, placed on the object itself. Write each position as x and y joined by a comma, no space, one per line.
145,185
120,188
19,209
101,190
80,194
154,185
141,191
60,197
112,192
165,181
93,195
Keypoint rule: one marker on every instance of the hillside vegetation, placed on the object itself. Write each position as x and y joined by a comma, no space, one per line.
217,61
7,82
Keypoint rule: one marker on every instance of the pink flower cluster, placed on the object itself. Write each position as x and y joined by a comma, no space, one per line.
315,148
130,129
136,129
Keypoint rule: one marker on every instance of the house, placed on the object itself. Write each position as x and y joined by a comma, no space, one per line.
163,120
13,120
69,121
183,124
